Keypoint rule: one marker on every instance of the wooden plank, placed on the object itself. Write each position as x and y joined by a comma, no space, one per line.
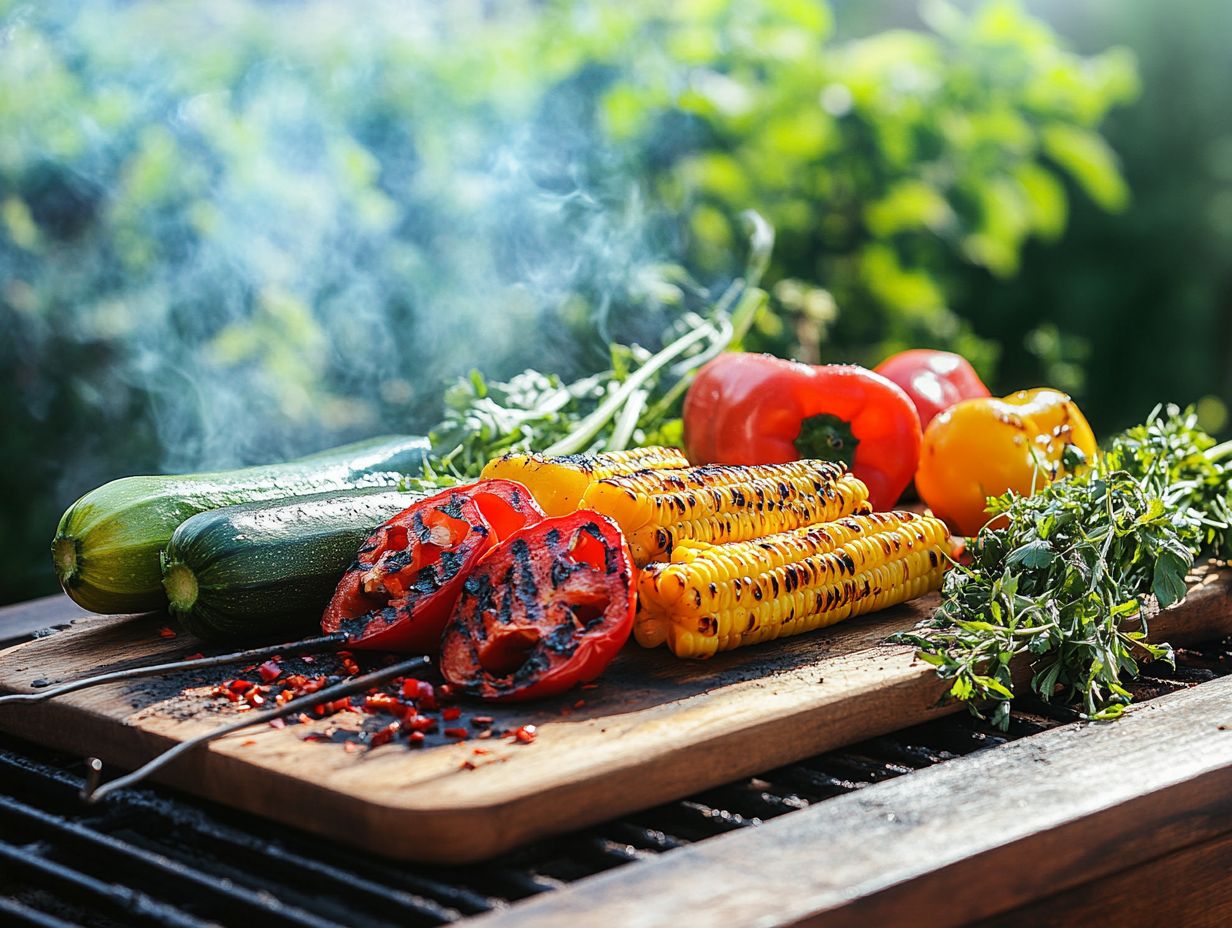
655,729
49,612
1190,887
947,845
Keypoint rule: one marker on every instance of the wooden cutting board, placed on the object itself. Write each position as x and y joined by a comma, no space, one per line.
654,729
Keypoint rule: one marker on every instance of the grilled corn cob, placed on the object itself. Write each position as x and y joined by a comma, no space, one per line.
712,598
717,503
558,484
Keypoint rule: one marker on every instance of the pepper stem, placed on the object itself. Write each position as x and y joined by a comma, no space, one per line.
826,437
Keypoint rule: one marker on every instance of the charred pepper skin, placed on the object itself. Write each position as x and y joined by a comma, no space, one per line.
934,380
546,610
986,447
399,592
757,409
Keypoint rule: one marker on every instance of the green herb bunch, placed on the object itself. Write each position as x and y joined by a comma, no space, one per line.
1070,580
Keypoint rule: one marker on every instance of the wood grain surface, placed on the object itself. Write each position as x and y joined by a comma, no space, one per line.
1190,887
958,842
654,729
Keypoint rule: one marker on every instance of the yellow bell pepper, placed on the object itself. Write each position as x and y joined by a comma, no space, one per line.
985,447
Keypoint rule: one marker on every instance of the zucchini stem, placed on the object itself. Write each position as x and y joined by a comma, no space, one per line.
181,585
66,553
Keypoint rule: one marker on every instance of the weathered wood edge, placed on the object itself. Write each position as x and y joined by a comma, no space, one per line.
56,611
947,845
1190,887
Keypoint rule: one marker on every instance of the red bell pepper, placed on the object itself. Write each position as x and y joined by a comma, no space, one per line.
757,409
399,592
935,380
545,610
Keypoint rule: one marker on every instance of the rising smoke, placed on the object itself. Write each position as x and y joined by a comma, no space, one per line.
234,232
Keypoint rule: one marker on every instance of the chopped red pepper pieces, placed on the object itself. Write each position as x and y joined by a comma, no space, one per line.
382,702
526,734
461,733
427,696
270,671
451,713
416,737
166,632
385,734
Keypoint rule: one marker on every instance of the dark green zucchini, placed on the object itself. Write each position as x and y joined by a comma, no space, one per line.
107,545
258,568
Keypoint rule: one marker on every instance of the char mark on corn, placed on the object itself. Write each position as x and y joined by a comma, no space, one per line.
559,483
709,598
658,510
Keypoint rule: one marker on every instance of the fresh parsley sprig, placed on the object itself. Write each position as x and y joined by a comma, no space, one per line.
1059,583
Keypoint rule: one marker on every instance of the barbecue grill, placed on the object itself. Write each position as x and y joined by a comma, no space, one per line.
151,856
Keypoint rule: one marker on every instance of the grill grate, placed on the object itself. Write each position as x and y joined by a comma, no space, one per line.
153,857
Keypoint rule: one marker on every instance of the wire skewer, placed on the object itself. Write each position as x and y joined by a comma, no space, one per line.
303,646
93,792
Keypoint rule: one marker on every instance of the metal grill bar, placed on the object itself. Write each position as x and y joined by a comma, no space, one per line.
29,859
17,914
151,857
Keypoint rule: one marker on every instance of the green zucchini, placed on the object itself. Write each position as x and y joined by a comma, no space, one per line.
258,568
107,545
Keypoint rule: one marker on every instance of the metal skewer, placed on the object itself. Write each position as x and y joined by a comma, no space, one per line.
303,646
92,792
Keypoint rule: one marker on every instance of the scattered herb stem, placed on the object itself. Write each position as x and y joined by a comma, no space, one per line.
589,428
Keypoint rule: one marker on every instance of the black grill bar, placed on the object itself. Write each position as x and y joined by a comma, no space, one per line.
31,860
268,860
153,857
18,915
84,843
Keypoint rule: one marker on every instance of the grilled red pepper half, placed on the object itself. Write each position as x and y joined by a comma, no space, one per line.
757,409
546,609
399,592
935,380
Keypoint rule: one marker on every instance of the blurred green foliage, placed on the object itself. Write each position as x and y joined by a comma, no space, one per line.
884,163
237,231
1135,308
